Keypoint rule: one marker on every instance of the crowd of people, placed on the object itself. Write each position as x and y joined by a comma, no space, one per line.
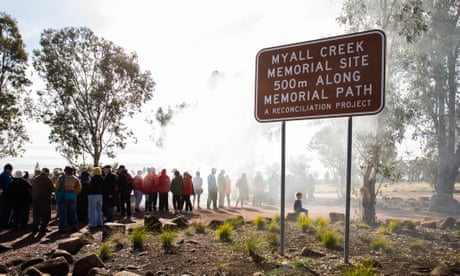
100,195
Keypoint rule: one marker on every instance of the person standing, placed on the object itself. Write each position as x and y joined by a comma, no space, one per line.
19,200
150,189
187,192
95,190
228,189
198,188
258,186
108,192
138,183
42,189
163,190
71,187
212,189
82,197
177,187
243,190
5,208
124,184
221,186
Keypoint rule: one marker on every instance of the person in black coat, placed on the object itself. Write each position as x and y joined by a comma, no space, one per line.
124,186
19,199
108,192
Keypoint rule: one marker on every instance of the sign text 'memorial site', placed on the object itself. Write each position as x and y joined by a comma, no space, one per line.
332,77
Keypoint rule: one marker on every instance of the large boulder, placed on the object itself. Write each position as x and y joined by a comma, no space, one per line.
54,267
31,262
73,245
449,222
85,264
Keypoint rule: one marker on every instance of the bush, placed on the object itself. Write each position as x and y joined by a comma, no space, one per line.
224,232
362,225
200,226
304,222
105,251
409,224
330,239
276,218
361,269
236,221
273,240
274,227
382,230
380,243
259,222
394,226
138,237
321,223
167,237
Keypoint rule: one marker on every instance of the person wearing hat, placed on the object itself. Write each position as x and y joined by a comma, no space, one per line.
5,182
108,192
19,200
95,190
71,187
42,189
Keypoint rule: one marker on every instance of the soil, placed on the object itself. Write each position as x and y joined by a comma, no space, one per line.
415,250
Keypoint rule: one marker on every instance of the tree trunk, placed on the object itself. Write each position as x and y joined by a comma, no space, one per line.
368,194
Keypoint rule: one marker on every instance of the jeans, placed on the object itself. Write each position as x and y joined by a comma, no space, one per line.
67,206
95,210
138,196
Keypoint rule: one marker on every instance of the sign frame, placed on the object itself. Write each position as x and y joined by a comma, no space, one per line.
379,77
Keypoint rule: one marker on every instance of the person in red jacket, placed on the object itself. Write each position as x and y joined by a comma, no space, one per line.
150,189
187,192
163,189
138,183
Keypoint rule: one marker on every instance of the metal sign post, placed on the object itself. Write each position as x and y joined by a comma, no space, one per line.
346,240
283,184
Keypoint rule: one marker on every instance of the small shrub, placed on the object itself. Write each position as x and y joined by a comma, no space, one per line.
394,226
167,238
409,224
428,236
273,240
382,230
274,227
200,226
304,222
361,269
236,221
138,237
362,225
224,232
252,245
330,239
276,218
105,251
259,222
380,243
416,245
321,223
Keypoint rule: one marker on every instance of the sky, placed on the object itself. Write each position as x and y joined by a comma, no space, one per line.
199,52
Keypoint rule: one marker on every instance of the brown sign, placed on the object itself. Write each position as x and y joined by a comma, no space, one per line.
331,77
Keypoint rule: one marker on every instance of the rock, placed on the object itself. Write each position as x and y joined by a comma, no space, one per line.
152,223
16,262
336,217
98,271
31,262
448,223
72,245
86,263
441,270
428,224
126,273
292,216
111,228
62,253
31,271
258,273
310,253
213,224
57,266
161,273
180,221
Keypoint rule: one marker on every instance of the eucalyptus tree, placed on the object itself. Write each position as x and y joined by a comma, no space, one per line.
13,83
92,86
402,21
434,74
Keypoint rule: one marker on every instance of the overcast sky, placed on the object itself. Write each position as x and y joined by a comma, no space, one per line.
182,43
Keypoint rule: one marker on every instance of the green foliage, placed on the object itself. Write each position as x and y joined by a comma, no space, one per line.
382,230
92,85
380,243
138,237
363,225
13,83
105,251
321,223
273,240
167,237
409,224
259,222
330,239
394,226
276,219
304,222
274,227
224,232
252,245
361,269
236,221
